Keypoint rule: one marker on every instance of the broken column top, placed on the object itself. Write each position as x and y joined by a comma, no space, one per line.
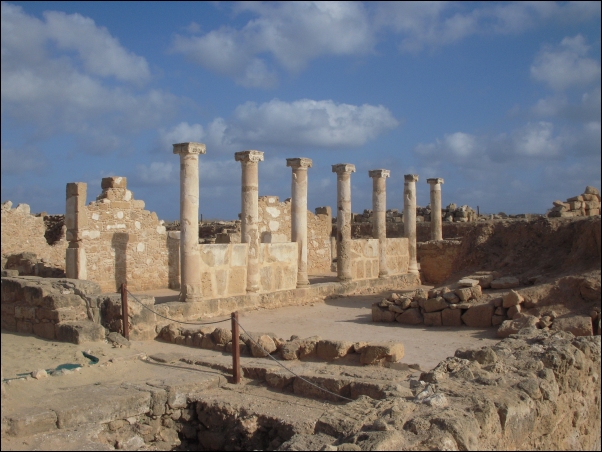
379,173
297,163
435,180
340,168
249,156
113,182
410,177
189,148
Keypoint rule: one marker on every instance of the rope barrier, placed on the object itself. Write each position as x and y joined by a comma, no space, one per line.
251,338
286,368
173,320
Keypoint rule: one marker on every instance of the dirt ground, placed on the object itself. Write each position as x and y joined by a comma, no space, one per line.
346,318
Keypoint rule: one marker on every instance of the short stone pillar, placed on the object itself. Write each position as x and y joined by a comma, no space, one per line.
436,227
343,171
249,232
409,218
190,256
76,219
299,214
379,216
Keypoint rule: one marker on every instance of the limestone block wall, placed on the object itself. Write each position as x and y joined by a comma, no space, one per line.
123,241
224,269
398,256
364,259
278,266
24,232
437,259
275,227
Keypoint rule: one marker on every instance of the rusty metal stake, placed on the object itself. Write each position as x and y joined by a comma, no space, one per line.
124,311
235,349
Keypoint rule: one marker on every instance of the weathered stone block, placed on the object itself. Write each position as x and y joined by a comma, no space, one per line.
435,304
512,298
464,294
509,327
410,317
382,314
385,351
507,282
478,316
451,317
113,182
79,332
579,325
329,350
432,318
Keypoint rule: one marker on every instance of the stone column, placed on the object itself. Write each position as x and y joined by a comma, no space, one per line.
190,256
250,213
344,171
379,216
409,218
299,214
436,228
76,219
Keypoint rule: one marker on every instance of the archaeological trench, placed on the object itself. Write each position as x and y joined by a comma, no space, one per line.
535,279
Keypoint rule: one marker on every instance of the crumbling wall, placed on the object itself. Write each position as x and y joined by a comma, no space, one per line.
275,227
23,232
437,259
120,240
584,205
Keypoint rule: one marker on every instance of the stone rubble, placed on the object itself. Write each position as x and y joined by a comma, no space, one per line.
584,205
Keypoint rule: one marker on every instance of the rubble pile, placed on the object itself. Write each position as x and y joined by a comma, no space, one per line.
584,205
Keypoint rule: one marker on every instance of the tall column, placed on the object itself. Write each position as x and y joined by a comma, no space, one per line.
76,220
409,217
250,212
379,216
343,171
190,256
436,228
299,214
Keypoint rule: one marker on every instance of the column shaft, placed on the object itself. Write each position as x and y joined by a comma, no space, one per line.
409,218
379,216
343,220
250,213
436,226
190,257
299,214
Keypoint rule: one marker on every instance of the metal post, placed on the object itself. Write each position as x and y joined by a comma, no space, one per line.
124,311
235,349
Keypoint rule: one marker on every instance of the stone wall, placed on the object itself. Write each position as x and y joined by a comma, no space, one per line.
398,256
120,240
24,232
364,259
584,205
278,266
275,227
224,269
437,259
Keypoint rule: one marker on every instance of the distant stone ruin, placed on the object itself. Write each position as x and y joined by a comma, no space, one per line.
584,205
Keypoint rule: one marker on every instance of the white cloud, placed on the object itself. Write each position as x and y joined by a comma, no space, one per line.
307,122
566,65
536,140
50,92
292,33
278,124
458,146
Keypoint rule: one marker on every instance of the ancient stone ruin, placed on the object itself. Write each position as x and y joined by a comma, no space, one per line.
528,284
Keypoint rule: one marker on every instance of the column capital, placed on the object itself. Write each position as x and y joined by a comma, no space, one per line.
249,156
189,148
435,180
297,163
381,173
410,177
341,168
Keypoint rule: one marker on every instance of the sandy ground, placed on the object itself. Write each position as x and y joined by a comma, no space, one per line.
345,318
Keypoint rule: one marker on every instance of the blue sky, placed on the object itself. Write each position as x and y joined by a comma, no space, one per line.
502,100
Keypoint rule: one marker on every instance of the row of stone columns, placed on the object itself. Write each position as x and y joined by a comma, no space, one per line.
191,287
379,216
